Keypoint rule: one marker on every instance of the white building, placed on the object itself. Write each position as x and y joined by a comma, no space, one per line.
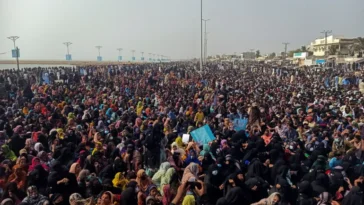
338,44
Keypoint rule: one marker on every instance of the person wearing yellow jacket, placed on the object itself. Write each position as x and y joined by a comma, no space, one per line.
199,116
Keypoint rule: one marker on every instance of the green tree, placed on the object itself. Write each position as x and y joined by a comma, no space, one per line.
303,49
257,54
272,55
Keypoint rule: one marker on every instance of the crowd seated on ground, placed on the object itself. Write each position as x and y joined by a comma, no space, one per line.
110,135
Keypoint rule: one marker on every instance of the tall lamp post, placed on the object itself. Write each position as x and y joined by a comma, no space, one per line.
285,49
16,49
133,57
99,58
205,48
120,58
201,39
68,56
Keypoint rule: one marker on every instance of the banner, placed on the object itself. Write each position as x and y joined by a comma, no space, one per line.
14,53
99,58
133,58
240,124
142,58
68,57
203,135
120,58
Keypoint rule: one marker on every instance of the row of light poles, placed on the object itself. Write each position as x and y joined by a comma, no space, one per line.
99,57
16,53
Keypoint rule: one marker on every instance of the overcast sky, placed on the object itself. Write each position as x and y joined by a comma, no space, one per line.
170,27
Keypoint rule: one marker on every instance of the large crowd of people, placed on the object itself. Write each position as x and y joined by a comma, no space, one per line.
108,135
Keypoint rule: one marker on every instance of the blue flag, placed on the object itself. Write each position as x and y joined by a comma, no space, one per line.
202,135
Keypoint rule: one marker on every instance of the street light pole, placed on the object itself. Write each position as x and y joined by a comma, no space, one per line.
132,51
14,38
201,39
67,45
119,49
285,49
98,48
205,49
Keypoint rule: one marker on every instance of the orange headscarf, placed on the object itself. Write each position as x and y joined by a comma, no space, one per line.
143,183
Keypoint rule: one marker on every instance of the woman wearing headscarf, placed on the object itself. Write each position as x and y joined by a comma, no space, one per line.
233,197
61,181
257,188
129,195
320,185
192,158
305,194
273,199
176,148
19,177
143,180
8,153
35,162
132,158
11,191
207,161
179,142
354,197
38,177
167,195
157,177
325,198
34,198
120,181
205,149
190,171
81,180
283,183
77,199
139,108
106,198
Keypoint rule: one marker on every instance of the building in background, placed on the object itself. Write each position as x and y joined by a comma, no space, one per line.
335,46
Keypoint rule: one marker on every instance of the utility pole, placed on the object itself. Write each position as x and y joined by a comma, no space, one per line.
99,58
205,49
133,51
201,40
98,48
14,38
67,45
119,57
285,49
326,32
68,50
